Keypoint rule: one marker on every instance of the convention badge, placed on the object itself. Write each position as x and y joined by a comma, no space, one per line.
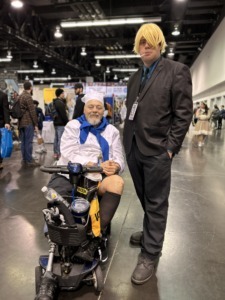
133,111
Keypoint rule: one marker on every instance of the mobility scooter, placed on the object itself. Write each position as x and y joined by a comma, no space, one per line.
67,229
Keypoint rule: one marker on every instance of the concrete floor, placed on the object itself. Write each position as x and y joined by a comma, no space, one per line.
192,266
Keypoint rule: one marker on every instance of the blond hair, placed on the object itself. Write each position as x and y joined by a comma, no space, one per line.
153,35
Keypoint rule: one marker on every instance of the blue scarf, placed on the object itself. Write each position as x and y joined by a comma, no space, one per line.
86,127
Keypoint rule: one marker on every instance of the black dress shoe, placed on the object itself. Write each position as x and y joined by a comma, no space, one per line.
89,251
136,238
144,269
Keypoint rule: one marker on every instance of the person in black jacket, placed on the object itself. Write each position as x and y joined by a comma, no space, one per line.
79,106
60,120
159,113
4,112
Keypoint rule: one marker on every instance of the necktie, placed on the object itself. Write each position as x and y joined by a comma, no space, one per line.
144,79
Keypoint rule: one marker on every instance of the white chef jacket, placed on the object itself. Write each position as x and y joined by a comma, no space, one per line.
72,150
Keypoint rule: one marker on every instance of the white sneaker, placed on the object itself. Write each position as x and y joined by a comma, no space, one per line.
200,144
34,156
44,150
39,151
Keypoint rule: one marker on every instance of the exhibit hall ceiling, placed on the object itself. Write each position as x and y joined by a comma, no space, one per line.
63,38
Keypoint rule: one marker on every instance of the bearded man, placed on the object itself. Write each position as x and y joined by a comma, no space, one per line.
90,140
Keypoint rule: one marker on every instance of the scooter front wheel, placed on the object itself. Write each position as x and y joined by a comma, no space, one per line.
38,276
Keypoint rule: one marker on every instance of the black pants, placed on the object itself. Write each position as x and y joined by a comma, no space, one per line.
152,177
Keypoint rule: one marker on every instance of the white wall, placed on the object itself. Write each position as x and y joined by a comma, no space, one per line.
208,71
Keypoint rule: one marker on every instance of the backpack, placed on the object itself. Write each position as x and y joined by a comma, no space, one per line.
16,111
52,111
216,115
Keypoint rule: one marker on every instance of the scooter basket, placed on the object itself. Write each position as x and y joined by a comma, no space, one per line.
67,236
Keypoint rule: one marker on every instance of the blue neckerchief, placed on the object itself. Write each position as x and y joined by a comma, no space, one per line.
151,69
86,127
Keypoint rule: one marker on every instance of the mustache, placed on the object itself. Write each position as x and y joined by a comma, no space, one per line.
93,115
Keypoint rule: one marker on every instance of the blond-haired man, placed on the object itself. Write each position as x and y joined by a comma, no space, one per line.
159,111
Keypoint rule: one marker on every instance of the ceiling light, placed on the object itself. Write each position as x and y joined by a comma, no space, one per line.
171,53
109,22
41,82
35,65
5,59
69,77
115,77
124,70
53,72
107,70
30,71
83,52
51,79
27,78
9,54
98,64
17,3
176,31
116,56
58,33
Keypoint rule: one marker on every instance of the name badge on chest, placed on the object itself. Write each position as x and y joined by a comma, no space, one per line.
133,111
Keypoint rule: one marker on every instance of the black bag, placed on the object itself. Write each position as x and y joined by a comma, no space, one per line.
52,111
16,111
216,115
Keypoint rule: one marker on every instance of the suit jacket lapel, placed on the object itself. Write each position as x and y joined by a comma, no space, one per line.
137,82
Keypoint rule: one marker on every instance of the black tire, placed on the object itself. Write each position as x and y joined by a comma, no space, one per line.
38,276
98,279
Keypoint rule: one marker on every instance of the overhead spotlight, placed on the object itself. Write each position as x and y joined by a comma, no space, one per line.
53,72
5,71
115,77
41,82
69,77
9,54
107,70
58,33
171,53
83,51
27,78
35,65
98,64
176,31
17,3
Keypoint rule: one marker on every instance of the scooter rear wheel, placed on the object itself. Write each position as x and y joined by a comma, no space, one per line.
98,279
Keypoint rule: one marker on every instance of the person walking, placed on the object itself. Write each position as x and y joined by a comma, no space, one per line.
27,125
4,112
60,120
221,117
203,126
159,112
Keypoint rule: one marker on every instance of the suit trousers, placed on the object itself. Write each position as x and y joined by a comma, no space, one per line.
152,178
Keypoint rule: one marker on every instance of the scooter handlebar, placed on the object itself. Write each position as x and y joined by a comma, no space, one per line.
64,170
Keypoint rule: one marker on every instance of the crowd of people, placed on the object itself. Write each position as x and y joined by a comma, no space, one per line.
205,121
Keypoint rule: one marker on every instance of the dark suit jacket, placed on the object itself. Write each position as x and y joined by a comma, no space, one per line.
4,109
79,107
164,111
